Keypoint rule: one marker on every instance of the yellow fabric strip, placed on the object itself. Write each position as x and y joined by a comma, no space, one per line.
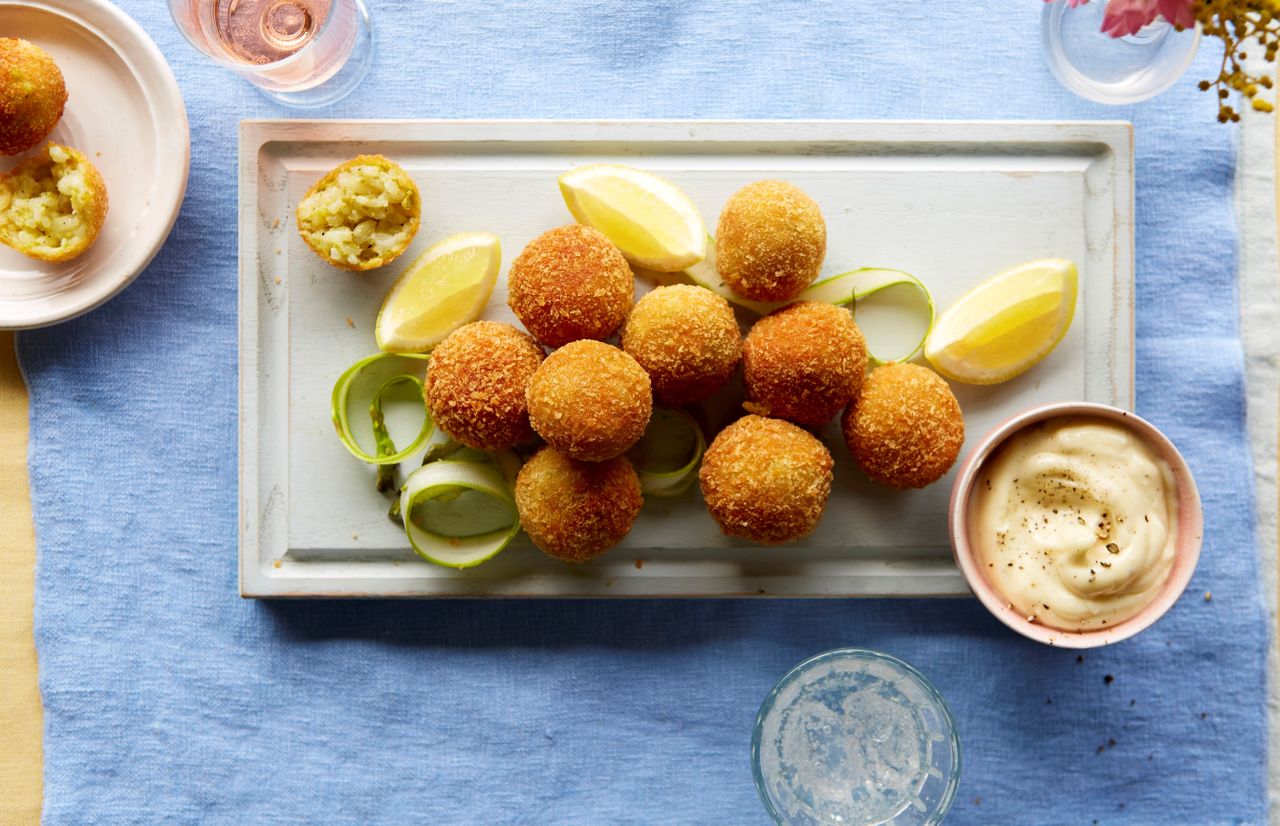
21,715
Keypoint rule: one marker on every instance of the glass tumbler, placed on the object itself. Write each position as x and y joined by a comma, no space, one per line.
1115,70
855,737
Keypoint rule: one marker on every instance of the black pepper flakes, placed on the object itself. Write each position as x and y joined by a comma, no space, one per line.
1108,679
1113,547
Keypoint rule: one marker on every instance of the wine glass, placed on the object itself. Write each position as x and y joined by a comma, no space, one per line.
299,52
1115,70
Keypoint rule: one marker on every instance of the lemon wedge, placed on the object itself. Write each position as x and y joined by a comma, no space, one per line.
444,288
1006,324
654,224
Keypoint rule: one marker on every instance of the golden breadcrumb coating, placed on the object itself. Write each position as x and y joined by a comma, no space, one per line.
803,362
52,205
905,428
766,480
574,510
687,340
590,400
361,215
771,241
32,95
570,283
476,384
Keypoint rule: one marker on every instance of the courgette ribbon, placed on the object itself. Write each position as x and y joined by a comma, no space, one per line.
447,479
378,374
664,427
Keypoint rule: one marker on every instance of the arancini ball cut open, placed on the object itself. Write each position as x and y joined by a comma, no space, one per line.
590,401
803,362
575,511
771,241
476,384
362,214
766,480
52,205
905,429
570,283
32,95
687,340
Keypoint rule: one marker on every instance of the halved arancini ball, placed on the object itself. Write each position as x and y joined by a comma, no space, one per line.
687,340
590,401
803,362
362,214
476,384
32,95
570,283
770,241
575,511
52,204
905,429
766,480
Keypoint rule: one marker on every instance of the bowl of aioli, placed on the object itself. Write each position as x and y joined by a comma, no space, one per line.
1076,524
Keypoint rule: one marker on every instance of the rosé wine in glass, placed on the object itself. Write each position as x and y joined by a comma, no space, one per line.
300,52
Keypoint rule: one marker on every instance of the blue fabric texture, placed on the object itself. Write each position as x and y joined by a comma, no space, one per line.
170,699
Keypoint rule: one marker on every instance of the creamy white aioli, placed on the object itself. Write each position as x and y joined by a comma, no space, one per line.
1072,521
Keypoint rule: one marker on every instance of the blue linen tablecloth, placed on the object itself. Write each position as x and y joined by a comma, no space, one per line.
169,699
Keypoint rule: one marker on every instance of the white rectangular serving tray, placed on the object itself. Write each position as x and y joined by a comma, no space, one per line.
950,201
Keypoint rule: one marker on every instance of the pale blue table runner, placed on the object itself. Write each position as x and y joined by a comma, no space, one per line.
169,699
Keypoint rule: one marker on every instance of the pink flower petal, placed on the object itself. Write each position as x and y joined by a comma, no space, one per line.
1178,12
1125,17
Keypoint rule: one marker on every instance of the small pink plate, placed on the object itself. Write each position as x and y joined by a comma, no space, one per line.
1190,528
125,113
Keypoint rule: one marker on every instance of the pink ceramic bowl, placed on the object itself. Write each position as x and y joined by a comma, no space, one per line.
1190,528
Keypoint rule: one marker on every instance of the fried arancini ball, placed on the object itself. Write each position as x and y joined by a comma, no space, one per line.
362,214
905,428
590,400
687,340
771,241
570,283
32,95
766,480
476,383
574,510
52,205
803,362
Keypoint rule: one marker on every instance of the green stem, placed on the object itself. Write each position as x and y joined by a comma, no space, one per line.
388,478
388,475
